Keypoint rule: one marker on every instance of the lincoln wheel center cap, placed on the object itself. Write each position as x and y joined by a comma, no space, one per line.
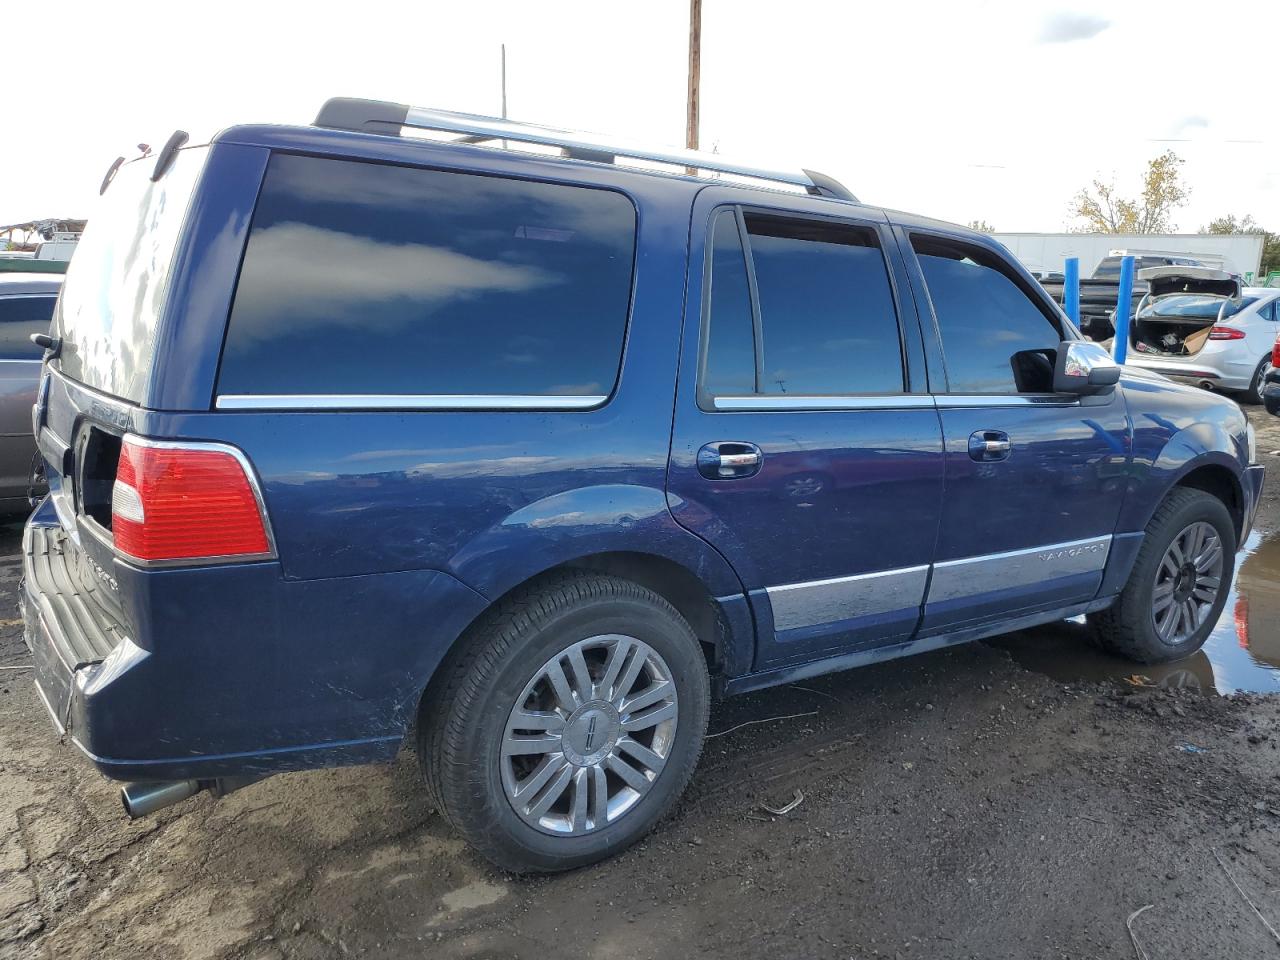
590,733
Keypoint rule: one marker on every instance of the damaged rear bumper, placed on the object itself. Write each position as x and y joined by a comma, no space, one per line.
231,671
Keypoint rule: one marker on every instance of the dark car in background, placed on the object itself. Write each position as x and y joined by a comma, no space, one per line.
1271,381
355,438
26,307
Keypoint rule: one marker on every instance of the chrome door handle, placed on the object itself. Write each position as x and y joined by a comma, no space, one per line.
733,461
729,460
986,446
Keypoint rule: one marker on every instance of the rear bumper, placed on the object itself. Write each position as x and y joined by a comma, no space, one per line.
233,671
1195,371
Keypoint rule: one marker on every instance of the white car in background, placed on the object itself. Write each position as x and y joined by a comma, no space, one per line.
1199,326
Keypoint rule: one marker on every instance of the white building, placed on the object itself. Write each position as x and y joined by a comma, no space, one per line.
1045,252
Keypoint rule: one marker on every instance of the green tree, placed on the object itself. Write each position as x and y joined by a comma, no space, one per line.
1246,224
981,226
1103,210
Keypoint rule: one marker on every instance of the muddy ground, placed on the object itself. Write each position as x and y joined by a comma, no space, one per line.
955,804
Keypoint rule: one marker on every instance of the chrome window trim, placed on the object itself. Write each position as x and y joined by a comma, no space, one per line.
813,602
254,485
391,401
800,402
952,400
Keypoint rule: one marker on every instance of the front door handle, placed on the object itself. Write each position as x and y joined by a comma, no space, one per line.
729,460
986,446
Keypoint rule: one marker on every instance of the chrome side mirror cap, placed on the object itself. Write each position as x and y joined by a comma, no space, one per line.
1084,368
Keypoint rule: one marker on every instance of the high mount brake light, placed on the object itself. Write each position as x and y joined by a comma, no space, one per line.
186,502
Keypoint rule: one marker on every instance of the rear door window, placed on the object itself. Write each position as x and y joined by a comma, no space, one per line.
370,279
995,338
20,317
825,323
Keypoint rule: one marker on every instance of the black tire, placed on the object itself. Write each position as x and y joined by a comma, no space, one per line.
1254,393
1128,627
466,709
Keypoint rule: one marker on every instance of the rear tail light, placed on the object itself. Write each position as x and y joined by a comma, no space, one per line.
186,501
1225,333
1275,354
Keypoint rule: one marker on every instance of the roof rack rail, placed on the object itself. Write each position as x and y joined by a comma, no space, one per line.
380,116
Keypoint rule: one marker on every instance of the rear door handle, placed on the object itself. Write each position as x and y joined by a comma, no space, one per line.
986,446
729,460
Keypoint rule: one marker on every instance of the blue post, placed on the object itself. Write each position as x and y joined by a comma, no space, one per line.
1071,289
1124,303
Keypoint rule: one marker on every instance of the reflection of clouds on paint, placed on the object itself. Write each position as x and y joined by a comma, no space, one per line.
306,275
500,466
298,477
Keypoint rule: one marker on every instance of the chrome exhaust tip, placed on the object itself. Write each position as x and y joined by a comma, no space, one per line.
148,796
1207,385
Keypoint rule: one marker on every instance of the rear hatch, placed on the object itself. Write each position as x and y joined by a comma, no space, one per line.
93,389
1183,305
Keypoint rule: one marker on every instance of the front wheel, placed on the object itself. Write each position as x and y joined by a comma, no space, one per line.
568,724
1178,585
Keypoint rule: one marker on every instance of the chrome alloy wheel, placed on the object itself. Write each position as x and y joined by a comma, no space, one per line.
589,735
1187,583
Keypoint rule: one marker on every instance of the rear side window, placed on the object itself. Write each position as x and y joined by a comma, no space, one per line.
827,324
19,318
362,278
995,338
826,310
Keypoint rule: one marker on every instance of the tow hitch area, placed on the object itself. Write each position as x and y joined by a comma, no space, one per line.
145,797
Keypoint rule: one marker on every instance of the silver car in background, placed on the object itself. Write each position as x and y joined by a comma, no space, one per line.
26,307
1199,326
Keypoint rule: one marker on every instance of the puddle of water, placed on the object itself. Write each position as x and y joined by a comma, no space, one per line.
1242,652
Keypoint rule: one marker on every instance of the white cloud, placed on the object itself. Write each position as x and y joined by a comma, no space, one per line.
1067,27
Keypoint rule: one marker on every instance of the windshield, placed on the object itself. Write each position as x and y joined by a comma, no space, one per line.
115,287
1195,306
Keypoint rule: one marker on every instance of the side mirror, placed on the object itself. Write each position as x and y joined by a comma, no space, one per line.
1084,368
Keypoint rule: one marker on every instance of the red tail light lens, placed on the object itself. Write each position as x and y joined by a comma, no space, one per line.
1225,333
1275,354
185,502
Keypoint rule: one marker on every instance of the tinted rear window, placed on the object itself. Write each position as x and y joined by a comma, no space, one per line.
19,318
364,278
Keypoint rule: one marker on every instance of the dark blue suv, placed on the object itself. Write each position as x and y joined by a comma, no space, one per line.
496,444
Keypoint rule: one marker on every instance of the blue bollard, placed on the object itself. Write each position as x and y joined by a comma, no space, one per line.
1124,303
1071,289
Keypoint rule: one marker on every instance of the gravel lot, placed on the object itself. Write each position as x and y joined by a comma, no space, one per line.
954,805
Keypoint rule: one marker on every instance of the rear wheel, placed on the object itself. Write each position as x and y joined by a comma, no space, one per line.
569,723
1178,585
1254,392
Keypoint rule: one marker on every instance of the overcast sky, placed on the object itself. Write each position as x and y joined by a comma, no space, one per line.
990,110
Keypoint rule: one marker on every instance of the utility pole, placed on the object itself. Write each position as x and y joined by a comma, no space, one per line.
504,81
695,58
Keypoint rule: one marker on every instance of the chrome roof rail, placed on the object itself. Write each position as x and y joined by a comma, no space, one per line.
380,116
